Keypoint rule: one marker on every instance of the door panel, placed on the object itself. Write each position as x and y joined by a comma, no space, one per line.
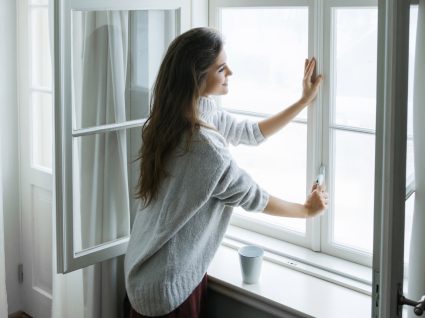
37,249
35,154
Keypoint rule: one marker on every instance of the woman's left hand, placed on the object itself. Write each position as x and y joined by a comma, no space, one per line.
317,201
311,83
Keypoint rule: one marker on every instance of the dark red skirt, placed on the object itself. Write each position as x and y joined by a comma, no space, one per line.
193,307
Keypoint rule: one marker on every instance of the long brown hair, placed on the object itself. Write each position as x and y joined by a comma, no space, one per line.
176,92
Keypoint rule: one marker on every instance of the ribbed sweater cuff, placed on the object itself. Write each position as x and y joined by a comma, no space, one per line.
264,199
258,135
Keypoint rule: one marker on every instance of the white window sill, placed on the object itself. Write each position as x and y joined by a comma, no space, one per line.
288,288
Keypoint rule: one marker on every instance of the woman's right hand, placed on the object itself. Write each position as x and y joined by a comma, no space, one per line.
317,201
311,83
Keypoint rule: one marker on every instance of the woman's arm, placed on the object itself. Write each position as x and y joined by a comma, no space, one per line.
311,85
316,202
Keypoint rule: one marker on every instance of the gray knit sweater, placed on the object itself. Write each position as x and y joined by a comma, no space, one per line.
174,239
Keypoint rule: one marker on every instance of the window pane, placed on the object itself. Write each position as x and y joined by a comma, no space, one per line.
279,166
42,123
353,189
41,67
266,50
354,76
410,170
410,205
104,176
115,59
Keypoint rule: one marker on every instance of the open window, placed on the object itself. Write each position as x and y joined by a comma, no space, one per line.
107,54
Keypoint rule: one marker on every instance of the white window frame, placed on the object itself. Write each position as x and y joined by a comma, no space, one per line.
318,230
327,105
67,258
313,131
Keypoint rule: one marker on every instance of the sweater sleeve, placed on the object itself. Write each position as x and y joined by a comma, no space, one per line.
235,187
237,132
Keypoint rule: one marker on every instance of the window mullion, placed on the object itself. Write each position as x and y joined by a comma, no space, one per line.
326,141
314,126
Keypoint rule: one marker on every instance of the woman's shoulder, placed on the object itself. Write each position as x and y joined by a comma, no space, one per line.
208,140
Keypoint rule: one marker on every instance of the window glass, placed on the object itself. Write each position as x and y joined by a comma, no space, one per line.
42,123
267,58
353,194
115,59
355,67
41,69
408,222
103,189
410,169
279,166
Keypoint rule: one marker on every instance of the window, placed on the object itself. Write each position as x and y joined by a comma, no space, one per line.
110,60
338,132
266,68
40,86
95,123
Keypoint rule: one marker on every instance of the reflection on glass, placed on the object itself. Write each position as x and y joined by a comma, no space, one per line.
266,50
115,59
410,168
104,179
408,223
354,77
353,195
42,120
41,69
282,171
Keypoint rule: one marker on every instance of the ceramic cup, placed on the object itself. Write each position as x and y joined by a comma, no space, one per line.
251,257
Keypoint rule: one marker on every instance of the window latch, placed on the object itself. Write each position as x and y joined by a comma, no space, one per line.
320,179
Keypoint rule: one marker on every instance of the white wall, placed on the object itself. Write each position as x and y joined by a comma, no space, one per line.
9,136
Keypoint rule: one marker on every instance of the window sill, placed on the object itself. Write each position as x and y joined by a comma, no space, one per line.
288,288
330,268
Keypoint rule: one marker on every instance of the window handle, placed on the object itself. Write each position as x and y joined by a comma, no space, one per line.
320,179
419,305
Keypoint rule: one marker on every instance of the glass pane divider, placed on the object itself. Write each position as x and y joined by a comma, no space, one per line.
108,128
101,247
46,90
353,129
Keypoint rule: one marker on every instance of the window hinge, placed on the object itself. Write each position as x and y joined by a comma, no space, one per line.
20,273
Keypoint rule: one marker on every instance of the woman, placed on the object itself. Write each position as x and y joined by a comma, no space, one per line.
189,182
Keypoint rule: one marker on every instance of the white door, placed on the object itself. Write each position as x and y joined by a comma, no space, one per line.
390,175
35,125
